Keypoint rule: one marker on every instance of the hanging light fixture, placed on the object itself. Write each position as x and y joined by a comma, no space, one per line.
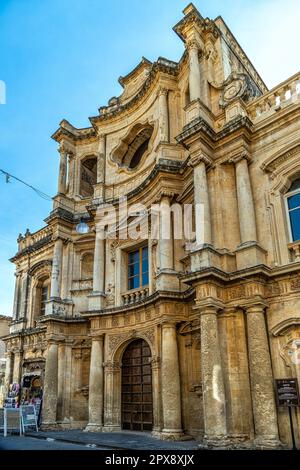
82,227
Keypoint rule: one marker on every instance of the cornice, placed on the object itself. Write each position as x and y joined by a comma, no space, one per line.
32,248
109,112
200,125
164,166
69,131
273,162
159,295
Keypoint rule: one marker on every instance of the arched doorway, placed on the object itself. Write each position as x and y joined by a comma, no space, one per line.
137,406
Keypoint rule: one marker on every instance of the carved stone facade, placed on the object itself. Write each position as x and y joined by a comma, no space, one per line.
220,320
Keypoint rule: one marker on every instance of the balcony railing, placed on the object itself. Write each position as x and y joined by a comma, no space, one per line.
279,97
135,295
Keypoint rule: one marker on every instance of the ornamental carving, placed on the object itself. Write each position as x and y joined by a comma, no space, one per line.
236,293
238,85
295,283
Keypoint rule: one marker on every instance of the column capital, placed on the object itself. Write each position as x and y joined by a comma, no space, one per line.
244,155
165,194
64,150
255,306
209,307
168,323
162,91
195,160
96,336
192,44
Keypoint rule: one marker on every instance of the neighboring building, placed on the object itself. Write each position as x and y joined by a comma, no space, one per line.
4,331
164,335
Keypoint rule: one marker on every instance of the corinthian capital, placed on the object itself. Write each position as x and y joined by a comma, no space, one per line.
162,91
196,159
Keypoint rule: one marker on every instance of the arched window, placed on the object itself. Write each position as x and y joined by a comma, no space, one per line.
137,148
43,296
293,209
88,176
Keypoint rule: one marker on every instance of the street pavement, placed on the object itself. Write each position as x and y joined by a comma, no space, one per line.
79,440
14,442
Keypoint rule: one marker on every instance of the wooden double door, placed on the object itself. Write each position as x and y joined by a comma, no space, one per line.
137,405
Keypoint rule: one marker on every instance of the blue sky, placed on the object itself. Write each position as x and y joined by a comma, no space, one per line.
62,58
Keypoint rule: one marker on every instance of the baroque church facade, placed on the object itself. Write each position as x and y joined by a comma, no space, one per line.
155,335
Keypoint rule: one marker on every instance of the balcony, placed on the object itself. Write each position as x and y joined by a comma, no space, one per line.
136,295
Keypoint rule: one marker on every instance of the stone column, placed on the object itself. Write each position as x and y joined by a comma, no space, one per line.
71,174
163,114
212,377
261,378
23,295
99,191
99,261
202,206
150,263
245,201
17,297
165,235
194,71
96,298
156,383
170,377
67,381
50,384
101,159
17,366
96,386
8,374
61,368
56,269
62,177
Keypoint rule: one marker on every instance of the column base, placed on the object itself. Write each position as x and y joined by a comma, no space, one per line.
93,427
96,300
206,256
50,426
249,254
171,435
215,442
111,428
167,280
56,306
267,442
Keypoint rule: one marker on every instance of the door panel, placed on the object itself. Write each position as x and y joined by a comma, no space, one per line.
137,406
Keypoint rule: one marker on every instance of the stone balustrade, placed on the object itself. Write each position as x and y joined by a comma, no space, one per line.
30,239
281,96
135,295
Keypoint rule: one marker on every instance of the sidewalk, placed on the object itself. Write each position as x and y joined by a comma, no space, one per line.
125,440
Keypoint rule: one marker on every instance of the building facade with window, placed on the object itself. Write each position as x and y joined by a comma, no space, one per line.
163,334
